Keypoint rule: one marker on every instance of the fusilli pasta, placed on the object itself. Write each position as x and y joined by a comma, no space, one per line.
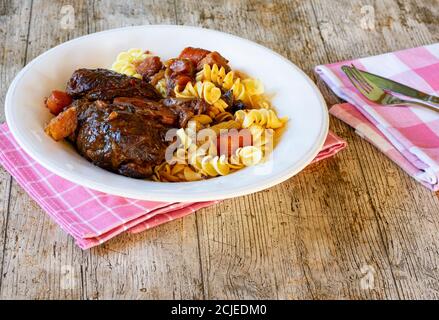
126,62
205,90
263,117
194,160
242,89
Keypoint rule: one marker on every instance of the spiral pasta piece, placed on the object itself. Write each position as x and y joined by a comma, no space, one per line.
212,166
223,116
246,156
203,119
225,125
175,173
185,139
241,89
253,87
259,101
216,75
202,89
264,117
126,62
238,90
261,137
217,109
161,87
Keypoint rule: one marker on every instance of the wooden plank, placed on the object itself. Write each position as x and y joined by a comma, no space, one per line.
14,23
141,266
160,263
115,14
406,212
305,238
40,260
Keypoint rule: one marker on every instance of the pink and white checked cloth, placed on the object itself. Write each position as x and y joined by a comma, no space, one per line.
408,135
93,217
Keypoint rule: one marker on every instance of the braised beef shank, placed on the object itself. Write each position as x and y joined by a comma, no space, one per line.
121,138
118,122
103,84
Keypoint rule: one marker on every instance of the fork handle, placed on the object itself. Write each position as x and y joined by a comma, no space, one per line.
417,103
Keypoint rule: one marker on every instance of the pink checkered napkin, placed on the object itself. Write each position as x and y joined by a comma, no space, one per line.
409,135
93,217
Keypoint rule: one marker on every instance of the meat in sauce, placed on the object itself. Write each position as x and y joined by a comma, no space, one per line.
120,122
103,84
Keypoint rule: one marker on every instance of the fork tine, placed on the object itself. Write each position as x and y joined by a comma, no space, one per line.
361,83
361,78
354,81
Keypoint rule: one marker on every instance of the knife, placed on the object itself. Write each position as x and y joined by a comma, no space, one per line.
387,84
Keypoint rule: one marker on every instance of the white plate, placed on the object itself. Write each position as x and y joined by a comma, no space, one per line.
296,97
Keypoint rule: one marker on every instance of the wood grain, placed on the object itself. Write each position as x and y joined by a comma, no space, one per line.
14,23
40,260
318,235
393,195
161,263
299,226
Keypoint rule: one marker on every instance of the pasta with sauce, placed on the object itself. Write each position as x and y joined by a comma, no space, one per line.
234,103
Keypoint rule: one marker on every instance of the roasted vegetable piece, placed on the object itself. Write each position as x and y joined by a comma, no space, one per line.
228,143
57,101
63,124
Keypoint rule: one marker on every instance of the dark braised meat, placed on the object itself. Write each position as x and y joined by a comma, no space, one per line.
103,84
170,111
178,73
182,70
154,109
126,136
185,109
214,58
193,54
121,138
149,67
122,134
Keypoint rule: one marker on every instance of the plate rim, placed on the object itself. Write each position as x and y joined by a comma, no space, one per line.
95,185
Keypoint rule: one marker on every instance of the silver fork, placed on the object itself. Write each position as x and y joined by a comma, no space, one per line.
374,93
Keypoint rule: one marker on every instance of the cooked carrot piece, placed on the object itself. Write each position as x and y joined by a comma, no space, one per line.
62,125
57,101
228,143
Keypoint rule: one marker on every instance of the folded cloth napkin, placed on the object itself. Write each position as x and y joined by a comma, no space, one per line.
90,216
409,135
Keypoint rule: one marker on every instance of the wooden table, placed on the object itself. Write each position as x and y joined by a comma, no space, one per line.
351,227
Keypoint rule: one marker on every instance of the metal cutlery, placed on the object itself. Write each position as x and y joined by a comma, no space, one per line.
397,87
376,94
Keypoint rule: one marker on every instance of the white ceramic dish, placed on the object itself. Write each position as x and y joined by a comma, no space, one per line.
296,96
